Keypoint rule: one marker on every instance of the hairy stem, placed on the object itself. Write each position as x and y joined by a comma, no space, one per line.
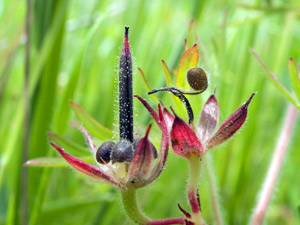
213,191
133,211
275,167
192,189
167,221
131,207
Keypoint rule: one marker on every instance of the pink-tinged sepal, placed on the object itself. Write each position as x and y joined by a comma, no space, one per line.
209,118
169,119
184,140
86,168
163,152
152,112
141,163
164,145
230,125
89,140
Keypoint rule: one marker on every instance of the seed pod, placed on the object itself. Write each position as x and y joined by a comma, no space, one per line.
135,145
197,79
122,152
104,151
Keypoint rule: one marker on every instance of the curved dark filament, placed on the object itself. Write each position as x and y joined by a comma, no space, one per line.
180,95
175,89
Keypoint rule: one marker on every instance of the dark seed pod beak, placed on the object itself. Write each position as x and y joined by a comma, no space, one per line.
125,92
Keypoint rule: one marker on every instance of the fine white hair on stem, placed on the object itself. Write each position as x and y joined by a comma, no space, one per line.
213,190
275,167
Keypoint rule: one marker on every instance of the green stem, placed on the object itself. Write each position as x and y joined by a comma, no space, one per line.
131,207
213,190
192,189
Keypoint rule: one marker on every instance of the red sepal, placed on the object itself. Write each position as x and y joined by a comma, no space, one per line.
141,163
152,112
184,140
163,153
86,168
230,125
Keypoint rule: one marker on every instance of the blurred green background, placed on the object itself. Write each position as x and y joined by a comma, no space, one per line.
75,47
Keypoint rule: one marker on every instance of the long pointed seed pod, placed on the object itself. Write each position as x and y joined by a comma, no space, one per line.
125,92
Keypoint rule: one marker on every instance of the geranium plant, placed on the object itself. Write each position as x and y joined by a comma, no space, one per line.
132,163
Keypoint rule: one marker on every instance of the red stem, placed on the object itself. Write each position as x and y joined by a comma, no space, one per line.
193,197
167,221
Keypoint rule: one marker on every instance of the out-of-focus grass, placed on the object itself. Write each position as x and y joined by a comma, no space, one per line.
74,56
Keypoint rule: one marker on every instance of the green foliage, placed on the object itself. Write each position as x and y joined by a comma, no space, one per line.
90,123
295,79
74,50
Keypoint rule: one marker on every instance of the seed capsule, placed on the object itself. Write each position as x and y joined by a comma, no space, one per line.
122,152
197,79
135,145
104,151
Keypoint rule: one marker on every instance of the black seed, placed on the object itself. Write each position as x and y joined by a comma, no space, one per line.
104,151
197,79
122,152
136,142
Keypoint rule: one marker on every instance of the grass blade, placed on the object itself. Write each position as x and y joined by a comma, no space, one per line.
90,123
69,145
275,81
147,84
54,161
167,74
